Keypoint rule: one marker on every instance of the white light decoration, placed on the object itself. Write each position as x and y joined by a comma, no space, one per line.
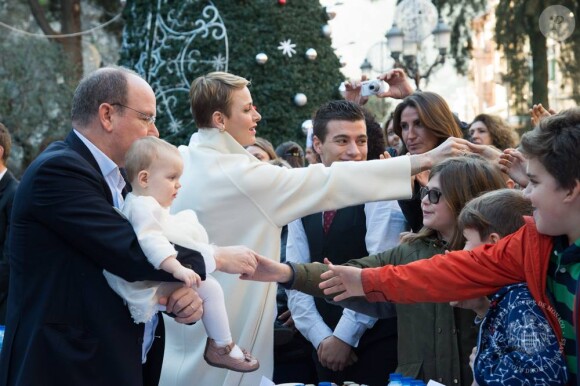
261,58
311,54
326,30
300,99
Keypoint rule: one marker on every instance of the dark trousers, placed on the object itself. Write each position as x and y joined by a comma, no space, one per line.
152,368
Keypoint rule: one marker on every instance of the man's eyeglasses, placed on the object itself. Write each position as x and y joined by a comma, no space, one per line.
432,194
149,118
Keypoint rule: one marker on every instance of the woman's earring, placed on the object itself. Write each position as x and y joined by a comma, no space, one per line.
222,129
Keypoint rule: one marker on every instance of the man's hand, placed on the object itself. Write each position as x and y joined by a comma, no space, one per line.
236,259
270,271
185,303
334,354
399,86
346,281
286,319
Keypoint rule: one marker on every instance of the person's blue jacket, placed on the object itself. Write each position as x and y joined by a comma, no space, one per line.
516,344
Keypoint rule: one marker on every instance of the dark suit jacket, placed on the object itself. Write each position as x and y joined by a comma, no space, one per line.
65,326
8,185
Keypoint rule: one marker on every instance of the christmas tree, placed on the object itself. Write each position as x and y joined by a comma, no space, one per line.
282,46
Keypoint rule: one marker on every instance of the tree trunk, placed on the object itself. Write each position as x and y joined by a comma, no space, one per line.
70,20
539,52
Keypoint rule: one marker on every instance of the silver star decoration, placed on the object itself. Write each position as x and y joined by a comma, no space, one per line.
219,62
287,48
175,126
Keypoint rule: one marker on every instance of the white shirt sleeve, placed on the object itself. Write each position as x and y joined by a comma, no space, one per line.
306,317
146,215
385,223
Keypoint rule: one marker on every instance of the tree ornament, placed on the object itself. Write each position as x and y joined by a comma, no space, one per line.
342,61
261,58
287,48
307,126
311,54
326,30
282,2
300,99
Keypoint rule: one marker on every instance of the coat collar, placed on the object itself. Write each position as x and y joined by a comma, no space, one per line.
220,141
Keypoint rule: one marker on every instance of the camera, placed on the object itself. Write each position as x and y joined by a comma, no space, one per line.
372,87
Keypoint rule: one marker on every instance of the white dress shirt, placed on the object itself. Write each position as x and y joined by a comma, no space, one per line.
384,222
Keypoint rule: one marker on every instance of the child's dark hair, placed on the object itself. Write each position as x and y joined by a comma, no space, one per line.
499,211
554,142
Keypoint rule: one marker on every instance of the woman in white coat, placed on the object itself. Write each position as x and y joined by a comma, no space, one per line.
241,200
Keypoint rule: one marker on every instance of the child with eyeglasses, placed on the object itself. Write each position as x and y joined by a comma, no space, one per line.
154,167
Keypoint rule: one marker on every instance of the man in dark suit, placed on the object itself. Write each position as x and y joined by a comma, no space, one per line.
65,326
8,185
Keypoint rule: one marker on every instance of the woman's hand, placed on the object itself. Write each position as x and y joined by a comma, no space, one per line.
236,259
399,86
270,271
352,90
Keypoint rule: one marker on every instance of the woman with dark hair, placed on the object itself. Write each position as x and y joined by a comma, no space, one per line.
492,130
423,121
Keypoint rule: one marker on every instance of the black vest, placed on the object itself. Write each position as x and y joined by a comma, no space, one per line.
345,241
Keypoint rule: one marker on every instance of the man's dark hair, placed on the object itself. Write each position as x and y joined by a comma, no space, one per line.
554,142
106,85
339,110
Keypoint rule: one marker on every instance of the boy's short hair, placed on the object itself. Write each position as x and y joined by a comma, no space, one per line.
338,110
143,152
212,92
555,142
500,211
5,142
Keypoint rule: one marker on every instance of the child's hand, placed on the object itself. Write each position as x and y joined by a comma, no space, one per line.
478,305
514,164
188,277
342,280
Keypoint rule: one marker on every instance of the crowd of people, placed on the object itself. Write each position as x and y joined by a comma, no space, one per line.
423,246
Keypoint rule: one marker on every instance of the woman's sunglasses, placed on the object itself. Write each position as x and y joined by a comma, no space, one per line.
432,194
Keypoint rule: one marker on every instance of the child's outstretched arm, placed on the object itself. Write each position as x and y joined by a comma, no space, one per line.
186,275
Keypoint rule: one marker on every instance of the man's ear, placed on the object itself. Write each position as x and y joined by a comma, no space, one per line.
106,116
573,193
317,144
494,238
143,178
